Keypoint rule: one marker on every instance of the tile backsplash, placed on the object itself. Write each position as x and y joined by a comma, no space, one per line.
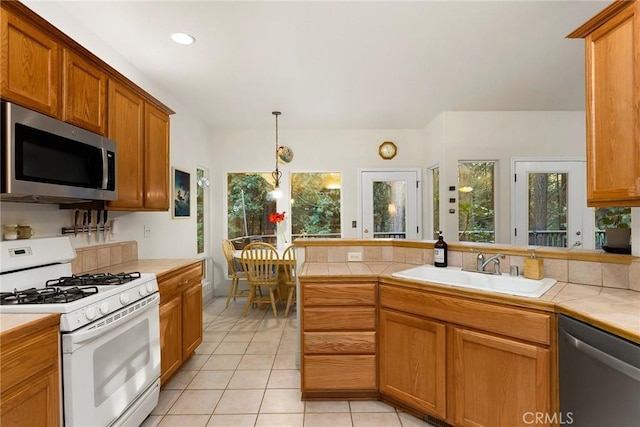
621,276
100,256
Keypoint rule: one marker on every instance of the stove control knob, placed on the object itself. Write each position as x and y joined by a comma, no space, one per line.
124,299
150,287
104,307
90,313
142,291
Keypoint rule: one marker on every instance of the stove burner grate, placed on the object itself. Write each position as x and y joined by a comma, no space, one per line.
48,295
99,279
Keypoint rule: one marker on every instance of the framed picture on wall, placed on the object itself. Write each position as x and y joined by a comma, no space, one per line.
181,194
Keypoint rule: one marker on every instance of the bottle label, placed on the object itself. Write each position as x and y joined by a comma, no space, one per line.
438,255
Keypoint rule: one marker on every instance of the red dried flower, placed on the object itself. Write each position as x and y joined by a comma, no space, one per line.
276,217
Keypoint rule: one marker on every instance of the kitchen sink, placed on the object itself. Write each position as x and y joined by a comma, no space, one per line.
452,276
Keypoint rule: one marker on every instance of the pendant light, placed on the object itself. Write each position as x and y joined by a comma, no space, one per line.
277,173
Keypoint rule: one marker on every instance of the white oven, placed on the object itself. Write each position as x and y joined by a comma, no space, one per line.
112,367
109,326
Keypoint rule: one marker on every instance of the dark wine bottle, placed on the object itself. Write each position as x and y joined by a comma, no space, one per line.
440,252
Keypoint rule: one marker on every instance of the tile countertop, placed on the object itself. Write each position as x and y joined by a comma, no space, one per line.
611,309
157,266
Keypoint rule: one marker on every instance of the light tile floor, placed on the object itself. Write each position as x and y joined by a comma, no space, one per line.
244,374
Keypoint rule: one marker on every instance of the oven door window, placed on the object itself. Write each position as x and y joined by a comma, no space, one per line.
49,158
103,374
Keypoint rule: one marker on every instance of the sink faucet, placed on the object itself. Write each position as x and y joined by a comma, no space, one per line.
481,262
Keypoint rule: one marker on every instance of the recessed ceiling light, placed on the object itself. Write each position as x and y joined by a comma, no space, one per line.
183,38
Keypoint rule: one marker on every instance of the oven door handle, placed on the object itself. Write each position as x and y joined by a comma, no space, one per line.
74,340
599,355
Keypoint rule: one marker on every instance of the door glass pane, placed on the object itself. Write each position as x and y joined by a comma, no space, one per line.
389,209
610,218
248,207
548,209
315,204
476,209
435,182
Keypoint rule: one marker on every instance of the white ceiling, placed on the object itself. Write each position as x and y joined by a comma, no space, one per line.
349,64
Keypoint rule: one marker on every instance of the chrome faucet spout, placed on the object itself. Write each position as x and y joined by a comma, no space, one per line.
495,259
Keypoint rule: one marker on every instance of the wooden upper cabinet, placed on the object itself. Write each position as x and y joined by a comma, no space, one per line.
156,160
29,66
613,104
126,127
85,93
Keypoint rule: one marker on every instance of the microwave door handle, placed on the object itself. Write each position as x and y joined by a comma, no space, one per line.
105,169
602,357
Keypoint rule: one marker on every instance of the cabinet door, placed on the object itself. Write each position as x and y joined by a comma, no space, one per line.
613,91
33,403
156,160
170,342
191,319
412,361
29,66
126,127
498,381
85,94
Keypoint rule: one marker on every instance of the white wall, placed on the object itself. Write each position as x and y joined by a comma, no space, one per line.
499,136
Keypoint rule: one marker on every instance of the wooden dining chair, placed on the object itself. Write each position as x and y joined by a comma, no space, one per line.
289,269
260,261
235,272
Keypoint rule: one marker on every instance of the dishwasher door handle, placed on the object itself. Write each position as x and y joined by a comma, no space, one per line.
599,355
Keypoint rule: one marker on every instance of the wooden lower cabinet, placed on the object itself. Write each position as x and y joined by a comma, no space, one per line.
170,338
180,317
412,361
467,362
30,375
338,323
498,381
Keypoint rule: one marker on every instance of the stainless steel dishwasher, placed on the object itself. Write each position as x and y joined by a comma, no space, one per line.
599,376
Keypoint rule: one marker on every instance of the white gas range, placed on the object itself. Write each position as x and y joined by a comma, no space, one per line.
109,325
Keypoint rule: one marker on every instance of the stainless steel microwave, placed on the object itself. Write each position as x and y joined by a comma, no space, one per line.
45,160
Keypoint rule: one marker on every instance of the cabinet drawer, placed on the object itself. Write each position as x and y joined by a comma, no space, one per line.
340,342
338,294
339,318
328,373
176,281
515,322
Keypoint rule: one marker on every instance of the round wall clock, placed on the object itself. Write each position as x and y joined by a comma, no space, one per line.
285,154
387,150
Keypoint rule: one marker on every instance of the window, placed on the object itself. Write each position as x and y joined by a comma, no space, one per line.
248,208
315,204
476,205
435,189
202,183
610,218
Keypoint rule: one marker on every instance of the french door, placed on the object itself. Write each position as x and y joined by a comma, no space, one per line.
550,206
391,204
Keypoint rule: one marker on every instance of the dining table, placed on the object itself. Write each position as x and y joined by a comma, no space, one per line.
281,262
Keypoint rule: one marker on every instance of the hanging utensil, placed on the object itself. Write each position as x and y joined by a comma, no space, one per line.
98,218
105,214
76,218
84,221
89,222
